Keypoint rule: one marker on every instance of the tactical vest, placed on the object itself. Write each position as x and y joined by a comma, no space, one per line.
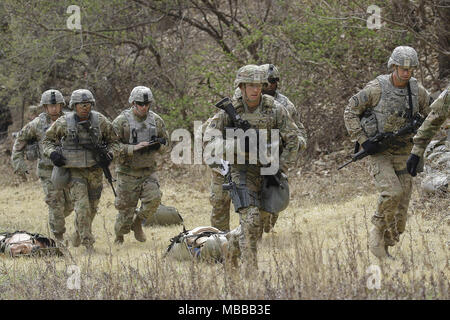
44,124
391,112
264,117
77,142
141,131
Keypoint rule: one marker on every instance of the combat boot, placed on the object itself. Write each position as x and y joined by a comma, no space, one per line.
76,240
376,242
119,240
137,229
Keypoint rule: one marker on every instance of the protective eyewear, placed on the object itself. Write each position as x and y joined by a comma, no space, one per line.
84,105
141,104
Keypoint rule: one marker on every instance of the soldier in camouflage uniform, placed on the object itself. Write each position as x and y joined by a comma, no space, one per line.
440,111
262,112
271,88
77,132
143,137
59,204
383,106
220,199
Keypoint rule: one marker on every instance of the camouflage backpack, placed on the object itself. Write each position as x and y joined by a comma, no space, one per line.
202,243
22,243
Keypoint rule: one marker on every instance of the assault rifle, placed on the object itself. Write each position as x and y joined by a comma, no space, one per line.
101,155
154,141
386,139
226,105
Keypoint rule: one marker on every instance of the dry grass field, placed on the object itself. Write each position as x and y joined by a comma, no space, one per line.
318,249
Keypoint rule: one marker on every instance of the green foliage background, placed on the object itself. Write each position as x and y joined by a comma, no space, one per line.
188,52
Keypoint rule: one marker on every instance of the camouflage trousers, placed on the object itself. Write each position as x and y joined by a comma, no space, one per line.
243,241
86,187
130,190
394,185
59,205
220,201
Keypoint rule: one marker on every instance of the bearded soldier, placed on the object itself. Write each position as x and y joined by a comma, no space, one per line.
385,105
440,111
59,204
261,112
143,137
88,142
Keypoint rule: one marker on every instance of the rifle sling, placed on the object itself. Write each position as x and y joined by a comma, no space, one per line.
410,103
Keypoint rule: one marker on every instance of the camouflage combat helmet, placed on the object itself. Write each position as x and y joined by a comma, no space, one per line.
273,75
403,56
141,94
52,96
250,73
81,96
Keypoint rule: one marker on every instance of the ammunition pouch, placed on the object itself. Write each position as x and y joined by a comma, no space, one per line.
369,124
32,151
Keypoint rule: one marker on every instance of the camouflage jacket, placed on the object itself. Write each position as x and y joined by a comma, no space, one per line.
58,131
126,154
33,132
292,111
367,99
440,111
270,115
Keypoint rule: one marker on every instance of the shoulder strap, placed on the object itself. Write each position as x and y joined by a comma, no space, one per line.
410,103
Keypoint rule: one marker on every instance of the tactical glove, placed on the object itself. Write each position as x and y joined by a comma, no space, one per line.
412,163
370,147
157,145
57,159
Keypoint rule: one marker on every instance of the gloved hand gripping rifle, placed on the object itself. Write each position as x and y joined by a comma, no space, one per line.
386,139
101,155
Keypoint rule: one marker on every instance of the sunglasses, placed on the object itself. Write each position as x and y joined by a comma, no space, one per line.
141,104
273,80
84,105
